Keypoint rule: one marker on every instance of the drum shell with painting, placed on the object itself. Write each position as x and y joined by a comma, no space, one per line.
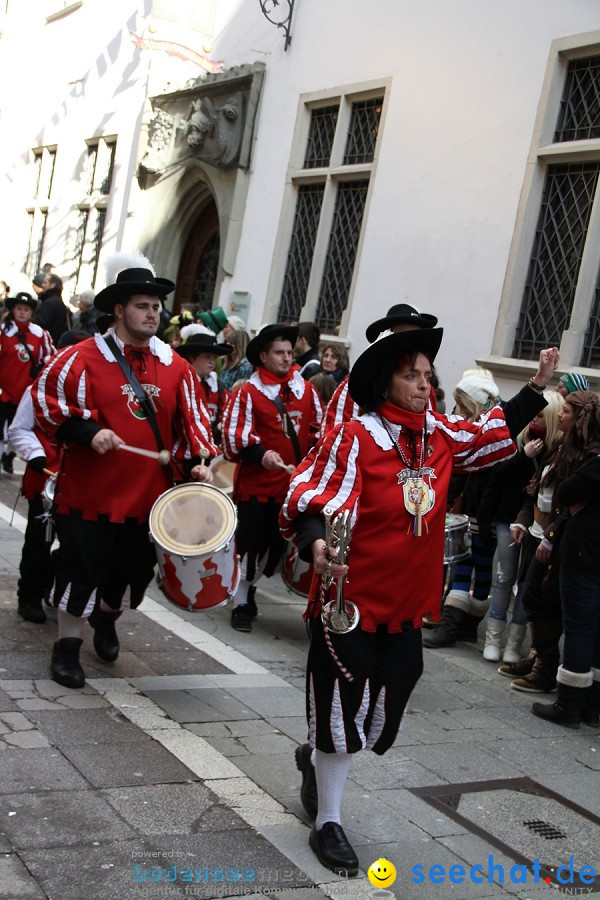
297,574
193,529
457,538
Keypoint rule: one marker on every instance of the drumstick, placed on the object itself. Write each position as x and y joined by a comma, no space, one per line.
163,456
289,469
48,472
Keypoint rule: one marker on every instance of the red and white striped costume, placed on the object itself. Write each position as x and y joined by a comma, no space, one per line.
394,576
253,425
85,383
341,408
215,397
15,364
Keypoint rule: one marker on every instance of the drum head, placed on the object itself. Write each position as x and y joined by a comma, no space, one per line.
455,521
223,473
192,519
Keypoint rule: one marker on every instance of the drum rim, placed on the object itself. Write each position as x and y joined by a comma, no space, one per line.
192,551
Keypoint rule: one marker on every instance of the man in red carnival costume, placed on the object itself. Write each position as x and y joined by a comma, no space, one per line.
201,350
24,348
103,497
270,423
389,470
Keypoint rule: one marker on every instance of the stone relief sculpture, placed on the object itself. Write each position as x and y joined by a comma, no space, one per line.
212,121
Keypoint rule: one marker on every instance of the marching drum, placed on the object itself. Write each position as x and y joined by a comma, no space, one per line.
457,544
297,574
193,530
223,473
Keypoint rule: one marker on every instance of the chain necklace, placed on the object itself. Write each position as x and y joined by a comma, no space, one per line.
419,497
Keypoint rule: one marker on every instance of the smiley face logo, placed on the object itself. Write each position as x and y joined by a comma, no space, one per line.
381,873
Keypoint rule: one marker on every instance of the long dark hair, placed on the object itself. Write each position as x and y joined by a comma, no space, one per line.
583,437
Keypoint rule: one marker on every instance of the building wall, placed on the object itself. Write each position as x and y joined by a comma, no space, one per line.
463,81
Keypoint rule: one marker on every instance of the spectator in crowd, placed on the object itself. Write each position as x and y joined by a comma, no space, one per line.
572,381
335,362
306,349
236,366
85,319
325,386
51,313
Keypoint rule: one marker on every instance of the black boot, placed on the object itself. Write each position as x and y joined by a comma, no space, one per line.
453,620
252,608
106,642
566,710
590,714
32,611
308,791
65,667
6,460
470,628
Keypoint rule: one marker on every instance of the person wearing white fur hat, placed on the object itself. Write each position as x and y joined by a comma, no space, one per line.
90,398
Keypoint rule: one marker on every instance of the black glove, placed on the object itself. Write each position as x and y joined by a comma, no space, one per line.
37,464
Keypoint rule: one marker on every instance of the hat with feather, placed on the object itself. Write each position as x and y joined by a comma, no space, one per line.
128,274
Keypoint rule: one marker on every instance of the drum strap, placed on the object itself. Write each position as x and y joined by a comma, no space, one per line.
141,396
289,427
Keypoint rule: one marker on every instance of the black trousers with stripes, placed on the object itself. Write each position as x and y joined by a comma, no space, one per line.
346,716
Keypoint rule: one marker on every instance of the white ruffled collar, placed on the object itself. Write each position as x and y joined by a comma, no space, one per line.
373,424
34,329
158,348
296,384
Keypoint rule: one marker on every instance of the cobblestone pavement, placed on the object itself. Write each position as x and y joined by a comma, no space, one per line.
176,763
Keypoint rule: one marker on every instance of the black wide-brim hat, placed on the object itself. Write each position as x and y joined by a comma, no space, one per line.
130,282
265,336
21,297
203,343
401,314
377,354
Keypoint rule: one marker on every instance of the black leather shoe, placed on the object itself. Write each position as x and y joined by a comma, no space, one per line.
32,611
333,850
106,642
308,791
65,667
7,462
240,618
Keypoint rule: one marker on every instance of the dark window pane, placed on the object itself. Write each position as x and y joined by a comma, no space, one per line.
556,257
91,166
320,137
300,254
107,180
37,172
363,131
52,167
341,253
84,215
206,274
590,356
41,238
99,231
579,116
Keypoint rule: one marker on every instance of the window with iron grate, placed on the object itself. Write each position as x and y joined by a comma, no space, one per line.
96,179
560,300
324,237
43,165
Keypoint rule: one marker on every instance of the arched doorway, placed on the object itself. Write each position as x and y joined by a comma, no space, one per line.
199,266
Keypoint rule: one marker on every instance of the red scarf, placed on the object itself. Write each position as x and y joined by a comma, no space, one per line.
410,421
268,377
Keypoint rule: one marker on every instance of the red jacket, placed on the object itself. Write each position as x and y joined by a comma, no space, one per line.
253,425
15,364
85,385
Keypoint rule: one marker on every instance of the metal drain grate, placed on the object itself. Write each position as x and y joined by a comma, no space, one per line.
544,829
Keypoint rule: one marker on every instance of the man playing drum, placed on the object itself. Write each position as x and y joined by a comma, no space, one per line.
389,470
269,425
124,388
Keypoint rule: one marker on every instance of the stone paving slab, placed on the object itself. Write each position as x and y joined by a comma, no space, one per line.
206,705
60,818
180,662
16,881
127,763
107,871
38,770
69,728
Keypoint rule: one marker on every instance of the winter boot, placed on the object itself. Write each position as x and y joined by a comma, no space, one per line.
454,615
572,695
514,642
591,711
65,667
106,642
545,636
493,639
